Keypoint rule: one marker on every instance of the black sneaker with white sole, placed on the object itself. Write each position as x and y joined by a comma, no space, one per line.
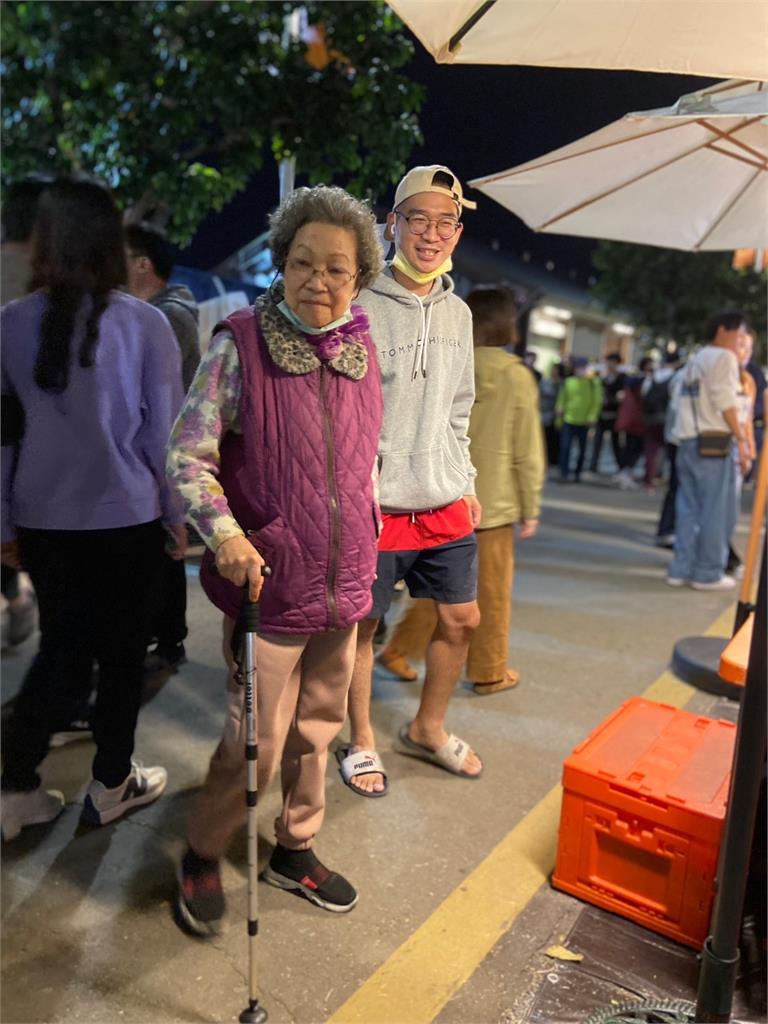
142,786
165,658
73,732
300,872
200,903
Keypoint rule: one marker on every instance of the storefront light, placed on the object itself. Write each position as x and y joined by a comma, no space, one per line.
556,313
546,326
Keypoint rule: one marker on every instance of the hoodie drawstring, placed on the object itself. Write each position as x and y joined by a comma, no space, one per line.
422,343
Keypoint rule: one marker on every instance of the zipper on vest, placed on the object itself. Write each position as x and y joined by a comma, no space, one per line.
333,564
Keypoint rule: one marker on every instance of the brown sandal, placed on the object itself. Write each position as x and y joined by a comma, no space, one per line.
396,663
509,682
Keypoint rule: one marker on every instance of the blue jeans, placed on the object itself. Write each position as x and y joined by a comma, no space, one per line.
704,512
569,432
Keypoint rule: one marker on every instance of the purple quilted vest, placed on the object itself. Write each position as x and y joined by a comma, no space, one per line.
298,481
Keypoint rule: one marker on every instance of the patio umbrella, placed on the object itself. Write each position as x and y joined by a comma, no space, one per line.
714,38
692,176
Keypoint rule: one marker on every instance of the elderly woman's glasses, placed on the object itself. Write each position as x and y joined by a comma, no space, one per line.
334,278
418,224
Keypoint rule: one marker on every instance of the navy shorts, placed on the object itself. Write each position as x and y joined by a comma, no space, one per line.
446,573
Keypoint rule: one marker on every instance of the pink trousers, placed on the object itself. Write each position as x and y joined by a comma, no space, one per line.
302,685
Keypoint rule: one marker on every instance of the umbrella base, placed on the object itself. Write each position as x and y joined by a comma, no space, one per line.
696,660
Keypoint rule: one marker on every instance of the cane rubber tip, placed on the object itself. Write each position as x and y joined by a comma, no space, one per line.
254,1014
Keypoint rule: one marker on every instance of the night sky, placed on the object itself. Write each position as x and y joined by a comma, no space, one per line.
479,120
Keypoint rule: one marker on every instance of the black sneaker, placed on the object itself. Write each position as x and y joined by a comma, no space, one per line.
200,902
165,657
300,871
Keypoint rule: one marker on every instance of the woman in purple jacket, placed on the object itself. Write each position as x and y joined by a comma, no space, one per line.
91,384
274,454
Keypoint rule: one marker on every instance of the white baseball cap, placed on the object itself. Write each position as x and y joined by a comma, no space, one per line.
434,178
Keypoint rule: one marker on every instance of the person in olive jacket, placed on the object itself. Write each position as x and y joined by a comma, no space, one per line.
507,449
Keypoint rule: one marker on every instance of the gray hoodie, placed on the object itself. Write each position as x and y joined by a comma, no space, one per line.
178,304
427,375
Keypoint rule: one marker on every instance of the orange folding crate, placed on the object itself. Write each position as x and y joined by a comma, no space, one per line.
643,808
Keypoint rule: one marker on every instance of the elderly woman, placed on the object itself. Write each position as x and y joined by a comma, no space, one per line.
274,454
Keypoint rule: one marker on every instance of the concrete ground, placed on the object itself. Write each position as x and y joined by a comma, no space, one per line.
88,934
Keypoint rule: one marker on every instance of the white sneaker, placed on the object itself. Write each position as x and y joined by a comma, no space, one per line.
665,540
628,483
143,785
675,581
33,807
724,583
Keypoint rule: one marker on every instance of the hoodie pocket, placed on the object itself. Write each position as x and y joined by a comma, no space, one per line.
412,481
278,546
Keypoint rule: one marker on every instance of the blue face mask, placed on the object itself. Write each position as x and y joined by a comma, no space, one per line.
303,326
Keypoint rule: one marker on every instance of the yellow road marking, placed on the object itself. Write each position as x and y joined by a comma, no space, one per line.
414,984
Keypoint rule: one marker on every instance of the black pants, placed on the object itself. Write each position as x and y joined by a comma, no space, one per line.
569,433
169,624
552,438
604,425
633,449
667,517
93,590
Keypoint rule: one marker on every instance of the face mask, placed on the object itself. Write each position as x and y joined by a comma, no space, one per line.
401,263
296,320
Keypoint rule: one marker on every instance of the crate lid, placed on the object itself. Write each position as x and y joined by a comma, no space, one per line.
661,753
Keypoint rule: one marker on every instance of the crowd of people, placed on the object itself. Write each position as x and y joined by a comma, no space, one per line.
633,407
359,426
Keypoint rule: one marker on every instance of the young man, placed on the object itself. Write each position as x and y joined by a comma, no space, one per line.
708,405
423,333
149,259
578,406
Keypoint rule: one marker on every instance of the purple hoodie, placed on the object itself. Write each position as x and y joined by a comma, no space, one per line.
93,457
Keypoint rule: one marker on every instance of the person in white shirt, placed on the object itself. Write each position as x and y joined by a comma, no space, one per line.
708,404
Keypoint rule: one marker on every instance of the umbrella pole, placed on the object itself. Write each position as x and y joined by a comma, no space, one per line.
720,956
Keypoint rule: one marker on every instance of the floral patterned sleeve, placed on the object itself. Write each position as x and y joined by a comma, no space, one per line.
211,410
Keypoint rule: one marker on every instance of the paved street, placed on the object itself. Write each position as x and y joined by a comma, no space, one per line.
87,930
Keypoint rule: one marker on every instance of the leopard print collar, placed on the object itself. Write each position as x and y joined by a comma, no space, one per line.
291,351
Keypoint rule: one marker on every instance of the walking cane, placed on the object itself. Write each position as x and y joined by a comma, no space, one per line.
245,634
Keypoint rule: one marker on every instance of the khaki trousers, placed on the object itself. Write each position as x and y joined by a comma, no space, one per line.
302,685
489,645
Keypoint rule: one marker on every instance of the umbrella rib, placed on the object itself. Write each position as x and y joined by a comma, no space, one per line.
761,165
597,149
571,156
469,24
618,188
726,211
728,137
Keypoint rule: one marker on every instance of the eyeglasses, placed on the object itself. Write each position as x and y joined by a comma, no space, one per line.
418,224
334,278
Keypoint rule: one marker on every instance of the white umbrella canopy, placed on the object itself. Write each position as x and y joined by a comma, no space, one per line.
713,38
693,176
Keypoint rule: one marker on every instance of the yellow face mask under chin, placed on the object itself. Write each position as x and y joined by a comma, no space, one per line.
401,263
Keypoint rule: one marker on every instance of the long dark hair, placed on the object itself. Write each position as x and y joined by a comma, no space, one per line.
78,254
